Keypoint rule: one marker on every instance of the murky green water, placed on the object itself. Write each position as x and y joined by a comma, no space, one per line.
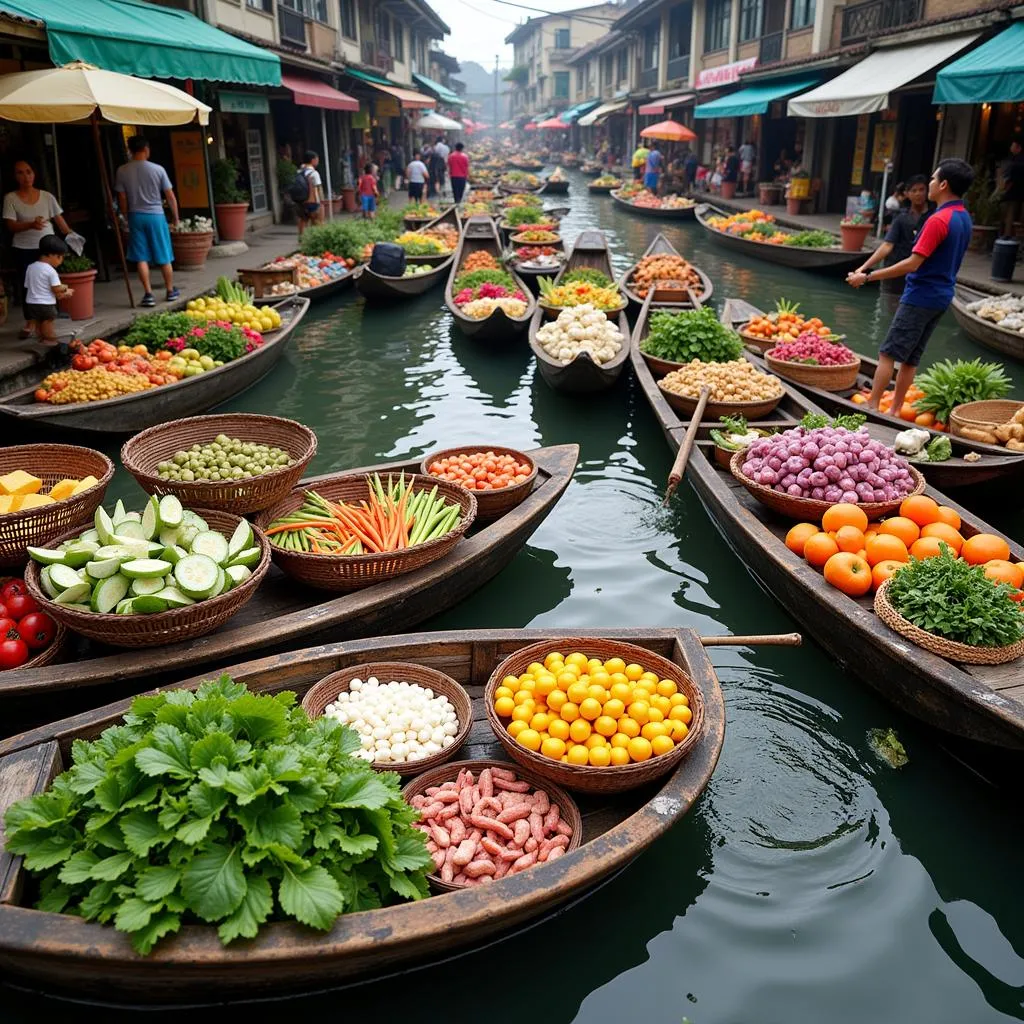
810,884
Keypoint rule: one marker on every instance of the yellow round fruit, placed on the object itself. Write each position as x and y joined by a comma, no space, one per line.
528,685
577,693
515,727
599,693
620,691
569,711
629,726
545,684
666,687
522,697
620,756
553,748
556,698
539,722
619,677
647,686
661,745
649,731
511,683
595,665
579,730
504,706
620,739
558,729
606,725
553,656
654,715
681,713
633,671
505,691
590,709
640,711
529,738
565,680
523,713
534,667
679,731
679,698
613,665
639,748
577,659
601,678
579,755
600,757
593,740
661,703
614,707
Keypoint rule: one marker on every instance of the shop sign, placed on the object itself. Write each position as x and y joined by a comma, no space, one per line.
189,162
883,145
257,173
387,106
243,102
727,74
860,150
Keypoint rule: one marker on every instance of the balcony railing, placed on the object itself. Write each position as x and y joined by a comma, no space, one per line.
292,27
375,56
648,78
771,48
866,19
679,67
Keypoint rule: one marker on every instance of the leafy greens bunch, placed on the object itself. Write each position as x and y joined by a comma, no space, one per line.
153,329
947,384
221,806
691,334
348,238
517,216
475,278
811,239
846,421
587,275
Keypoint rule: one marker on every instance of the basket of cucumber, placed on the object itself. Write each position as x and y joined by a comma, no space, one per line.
151,578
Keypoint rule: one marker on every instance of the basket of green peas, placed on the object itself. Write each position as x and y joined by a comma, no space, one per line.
232,462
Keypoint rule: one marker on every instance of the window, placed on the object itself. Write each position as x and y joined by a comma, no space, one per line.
561,39
803,13
716,26
751,19
652,40
679,24
622,69
383,32
561,85
260,5
399,30
348,19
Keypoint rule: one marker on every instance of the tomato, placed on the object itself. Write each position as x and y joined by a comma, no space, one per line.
107,355
80,362
13,653
19,605
7,625
42,395
12,587
37,629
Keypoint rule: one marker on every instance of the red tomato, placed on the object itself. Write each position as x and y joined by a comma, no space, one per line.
19,605
80,362
13,653
7,625
12,587
37,629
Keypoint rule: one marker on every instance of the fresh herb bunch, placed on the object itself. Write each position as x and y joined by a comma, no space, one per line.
947,384
475,278
733,424
691,334
349,238
219,343
154,329
946,596
848,421
72,264
811,239
588,275
222,806
518,215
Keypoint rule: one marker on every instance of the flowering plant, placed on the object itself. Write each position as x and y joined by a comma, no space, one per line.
194,225
218,339
488,291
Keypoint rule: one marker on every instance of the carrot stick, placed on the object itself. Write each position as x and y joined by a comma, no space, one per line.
287,527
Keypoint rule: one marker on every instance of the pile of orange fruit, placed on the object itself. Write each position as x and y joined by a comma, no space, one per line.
585,711
856,556
906,411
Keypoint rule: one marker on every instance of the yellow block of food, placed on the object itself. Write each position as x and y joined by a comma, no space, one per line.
35,501
9,503
20,482
63,488
84,484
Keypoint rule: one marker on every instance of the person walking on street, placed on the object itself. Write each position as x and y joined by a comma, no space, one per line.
142,187
731,168
307,203
652,168
639,161
690,166
458,168
747,154
931,271
427,158
416,176
398,164
368,193
440,162
1012,196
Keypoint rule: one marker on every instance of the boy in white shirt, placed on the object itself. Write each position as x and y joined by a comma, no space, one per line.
43,287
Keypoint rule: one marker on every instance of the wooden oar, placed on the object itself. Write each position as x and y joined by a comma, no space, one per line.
769,640
679,466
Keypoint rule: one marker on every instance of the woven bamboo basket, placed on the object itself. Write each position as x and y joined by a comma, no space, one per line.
713,410
986,415
491,505
56,648
555,242
551,312
51,463
810,509
143,453
567,809
587,778
764,344
828,378
949,649
262,280
352,572
326,692
164,627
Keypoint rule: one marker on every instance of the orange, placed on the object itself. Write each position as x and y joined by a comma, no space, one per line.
590,709
620,739
944,532
681,713
845,513
983,547
920,509
679,731
552,748
615,708
523,713
820,547
600,757
559,729
848,573
639,711
653,729
577,692
900,526
593,740
569,711
949,516
667,687
1002,571
578,755
504,706
613,665
849,538
661,745
886,547
529,738
883,570
628,727
515,728
606,725
798,536
620,756
556,698
926,547
620,691
639,749
540,721
579,730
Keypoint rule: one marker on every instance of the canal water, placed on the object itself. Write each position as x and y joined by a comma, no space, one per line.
812,882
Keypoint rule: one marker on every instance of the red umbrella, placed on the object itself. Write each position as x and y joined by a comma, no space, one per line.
555,123
530,126
669,131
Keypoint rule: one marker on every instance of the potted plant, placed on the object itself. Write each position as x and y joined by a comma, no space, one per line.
853,231
79,274
191,241
983,205
768,193
230,203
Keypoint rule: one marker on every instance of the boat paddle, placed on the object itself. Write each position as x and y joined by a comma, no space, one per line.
675,476
769,640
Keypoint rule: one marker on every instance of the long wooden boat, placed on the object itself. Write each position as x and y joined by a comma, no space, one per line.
284,613
519,190
550,215
985,332
323,291
480,234
591,170
602,189
417,223
800,257
679,213
582,375
981,703
997,467
191,396
73,956
554,188
662,246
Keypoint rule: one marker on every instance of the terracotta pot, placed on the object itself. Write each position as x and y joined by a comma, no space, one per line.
768,195
348,199
853,236
794,206
728,189
231,221
334,206
982,238
80,305
191,248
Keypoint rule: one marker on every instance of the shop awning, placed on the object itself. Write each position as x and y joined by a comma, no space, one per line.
993,73
311,92
598,115
754,99
573,113
554,123
660,106
442,92
865,87
408,98
148,41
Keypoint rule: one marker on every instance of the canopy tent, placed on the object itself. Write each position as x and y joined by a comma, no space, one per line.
554,124
442,92
668,131
993,73
147,40
573,113
865,87
598,115
530,126
660,106
755,98
434,121
408,99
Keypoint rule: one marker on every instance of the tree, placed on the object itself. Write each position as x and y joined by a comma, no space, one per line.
519,75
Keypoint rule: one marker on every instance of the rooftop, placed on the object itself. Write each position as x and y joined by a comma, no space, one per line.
606,16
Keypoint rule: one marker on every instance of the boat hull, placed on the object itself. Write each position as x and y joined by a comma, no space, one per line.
990,335
683,213
381,288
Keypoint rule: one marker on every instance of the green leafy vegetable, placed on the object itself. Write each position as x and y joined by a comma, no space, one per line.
939,449
153,329
221,806
587,275
517,216
691,334
734,424
348,238
947,384
475,278
886,745
848,421
811,239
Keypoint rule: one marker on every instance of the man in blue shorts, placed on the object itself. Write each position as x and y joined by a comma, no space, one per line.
653,168
141,188
931,271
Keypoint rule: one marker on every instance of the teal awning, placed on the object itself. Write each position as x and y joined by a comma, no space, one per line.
367,77
570,115
148,41
442,92
993,73
754,99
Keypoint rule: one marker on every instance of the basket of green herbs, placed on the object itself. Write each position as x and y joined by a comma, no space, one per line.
674,338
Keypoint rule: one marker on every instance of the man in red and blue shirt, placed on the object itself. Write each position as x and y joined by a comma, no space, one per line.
931,271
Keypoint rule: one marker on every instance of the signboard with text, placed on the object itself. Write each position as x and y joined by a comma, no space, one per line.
257,175
860,149
883,145
726,74
189,169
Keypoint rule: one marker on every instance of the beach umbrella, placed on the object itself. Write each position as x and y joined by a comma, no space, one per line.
434,121
668,131
553,123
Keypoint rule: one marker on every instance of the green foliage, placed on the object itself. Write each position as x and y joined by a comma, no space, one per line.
939,449
518,75
947,384
946,596
982,200
348,238
219,343
72,264
475,278
153,329
811,239
517,216
587,275
285,172
221,806
848,421
691,334
224,174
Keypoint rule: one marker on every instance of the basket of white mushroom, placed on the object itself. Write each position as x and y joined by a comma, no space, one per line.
579,329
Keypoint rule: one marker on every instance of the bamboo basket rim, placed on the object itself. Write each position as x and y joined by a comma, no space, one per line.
494,502
961,414
810,366
715,408
70,450
57,645
517,239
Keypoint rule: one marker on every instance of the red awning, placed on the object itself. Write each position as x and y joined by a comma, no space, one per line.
651,108
555,124
666,103
311,92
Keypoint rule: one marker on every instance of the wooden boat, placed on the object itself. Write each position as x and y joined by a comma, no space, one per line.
679,213
554,188
91,960
552,214
283,612
416,223
191,396
519,190
661,245
591,170
479,234
985,332
582,375
800,257
324,291
602,189
981,703
997,466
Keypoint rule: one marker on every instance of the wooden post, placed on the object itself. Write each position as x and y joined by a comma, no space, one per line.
109,198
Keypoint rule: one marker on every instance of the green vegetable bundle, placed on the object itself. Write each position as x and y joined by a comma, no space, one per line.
154,329
691,334
475,278
349,238
588,275
519,215
947,384
231,291
847,421
811,239
221,806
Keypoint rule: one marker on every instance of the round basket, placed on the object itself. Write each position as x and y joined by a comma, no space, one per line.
828,378
519,240
764,344
723,456
490,505
986,415
713,410
351,572
950,649
326,692
567,809
143,453
51,463
551,312
164,627
57,645
811,509
587,778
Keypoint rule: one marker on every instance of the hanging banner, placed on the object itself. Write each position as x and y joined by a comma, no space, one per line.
860,149
726,74
189,169
243,102
883,146
387,106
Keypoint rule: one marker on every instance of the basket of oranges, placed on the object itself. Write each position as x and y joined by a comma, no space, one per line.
784,323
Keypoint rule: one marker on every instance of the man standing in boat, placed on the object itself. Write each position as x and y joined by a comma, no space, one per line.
931,271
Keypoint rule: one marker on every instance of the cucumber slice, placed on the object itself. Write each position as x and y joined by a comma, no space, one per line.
101,569
196,575
84,576
77,554
241,539
223,583
149,604
168,536
91,537
238,574
104,526
173,554
63,576
190,518
119,513
174,597
171,512
125,552
73,595
126,607
78,607
186,534
109,593
151,518
211,544
147,585
130,529
146,568
249,557
49,587
132,517
48,556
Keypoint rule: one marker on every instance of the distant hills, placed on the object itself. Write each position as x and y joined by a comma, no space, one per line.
479,79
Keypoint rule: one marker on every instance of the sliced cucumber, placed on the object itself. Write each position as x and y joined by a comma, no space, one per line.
168,536
109,593
78,606
91,537
63,576
130,529
190,518
147,585
101,569
173,554
171,512
196,575
249,557
146,568
151,518
238,574
104,526
131,517
126,607
72,595
223,583
241,539
187,533
49,587
119,513
149,604
48,556
212,544
174,597
125,552
77,554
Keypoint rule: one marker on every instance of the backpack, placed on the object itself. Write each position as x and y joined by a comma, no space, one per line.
298,190
388,259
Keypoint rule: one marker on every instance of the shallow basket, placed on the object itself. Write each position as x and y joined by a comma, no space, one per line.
828,378
165,627
555,243
567,809
51,653
764,344
51,463
326,692
143,453
490,505
352,572
985,415
811,509
713,410
587,778
950,649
